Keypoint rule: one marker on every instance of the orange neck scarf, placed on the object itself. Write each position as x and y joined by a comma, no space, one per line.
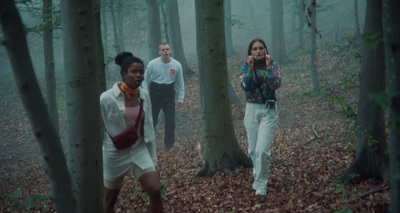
129,92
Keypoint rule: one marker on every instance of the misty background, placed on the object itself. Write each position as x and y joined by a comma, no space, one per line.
250,19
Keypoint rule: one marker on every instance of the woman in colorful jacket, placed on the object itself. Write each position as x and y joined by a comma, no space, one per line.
260,77
120,108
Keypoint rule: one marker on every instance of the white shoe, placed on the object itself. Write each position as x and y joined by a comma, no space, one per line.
261,191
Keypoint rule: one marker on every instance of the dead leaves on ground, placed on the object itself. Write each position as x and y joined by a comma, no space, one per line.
303,168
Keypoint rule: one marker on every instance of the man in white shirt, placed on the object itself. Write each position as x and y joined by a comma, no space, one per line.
161,75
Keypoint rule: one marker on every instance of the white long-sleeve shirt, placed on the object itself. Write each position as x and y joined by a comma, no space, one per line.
165,73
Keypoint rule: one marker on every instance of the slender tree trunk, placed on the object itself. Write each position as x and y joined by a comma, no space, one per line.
120,17
34,104
228,29
165,24
100,49
357,22
222,151
278,36
114,23
391,34
372,160
229,45
154,28
51,85
81,69
301,23
314,70
174,31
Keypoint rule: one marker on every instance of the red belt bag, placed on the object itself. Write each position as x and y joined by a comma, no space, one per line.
128,137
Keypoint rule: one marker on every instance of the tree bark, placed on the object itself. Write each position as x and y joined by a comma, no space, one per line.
174,31
371,159
391,34
301,23
82,103
154,28
222,151
34,104
120,25
228,28
278,37
100,49
115,30
51,86
313,36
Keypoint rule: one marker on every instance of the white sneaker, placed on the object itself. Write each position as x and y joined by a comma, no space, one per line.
261,191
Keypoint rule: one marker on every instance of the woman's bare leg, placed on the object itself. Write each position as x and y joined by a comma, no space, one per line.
110,198
151,185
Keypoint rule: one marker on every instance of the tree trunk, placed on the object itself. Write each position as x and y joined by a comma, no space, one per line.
174,31
51,86
82,98
120,16
33,102
357,22
222,151
100,49
391,34
278,38
114,23
165,24
313,36
371,159
228,28
154,28
301,23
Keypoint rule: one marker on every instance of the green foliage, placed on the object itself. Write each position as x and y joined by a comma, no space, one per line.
381,99
373,144
354,176
25,203
344,210
372,39
339,187
235,20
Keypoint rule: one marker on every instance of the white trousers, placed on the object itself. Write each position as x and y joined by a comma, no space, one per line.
260,124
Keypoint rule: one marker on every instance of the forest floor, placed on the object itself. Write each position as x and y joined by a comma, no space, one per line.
313,145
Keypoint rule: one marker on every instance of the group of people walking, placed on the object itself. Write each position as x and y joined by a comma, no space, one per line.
131,107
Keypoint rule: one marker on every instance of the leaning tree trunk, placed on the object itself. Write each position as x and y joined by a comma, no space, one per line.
83,104
371,159
222,151
33,101
391,34
174,31
51,86
154,28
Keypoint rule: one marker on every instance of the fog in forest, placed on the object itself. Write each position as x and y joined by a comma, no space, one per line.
250,19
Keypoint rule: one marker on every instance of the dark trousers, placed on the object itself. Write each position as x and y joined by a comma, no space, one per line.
163,97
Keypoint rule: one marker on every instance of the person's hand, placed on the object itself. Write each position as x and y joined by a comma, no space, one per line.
268,61
250,61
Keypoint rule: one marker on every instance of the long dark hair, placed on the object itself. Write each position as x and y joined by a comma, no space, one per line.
125,60
254,41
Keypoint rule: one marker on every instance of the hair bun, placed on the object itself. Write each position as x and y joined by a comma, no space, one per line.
122,56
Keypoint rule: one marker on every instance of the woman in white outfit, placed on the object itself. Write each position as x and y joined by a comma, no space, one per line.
260,77
120,107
